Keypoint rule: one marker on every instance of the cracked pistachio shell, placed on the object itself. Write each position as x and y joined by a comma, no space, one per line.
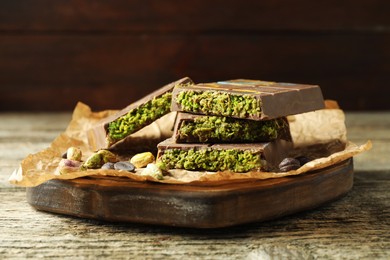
68,166
154,171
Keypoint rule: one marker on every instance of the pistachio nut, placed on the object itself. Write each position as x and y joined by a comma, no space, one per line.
67,166
153,171
108,156
140,160
94,161
74,153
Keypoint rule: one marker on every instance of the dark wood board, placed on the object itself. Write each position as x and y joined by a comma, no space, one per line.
214,206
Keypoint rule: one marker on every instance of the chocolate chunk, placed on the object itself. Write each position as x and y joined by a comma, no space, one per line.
124,165
303,159
114,129
108,166
248,99
289,164
222,157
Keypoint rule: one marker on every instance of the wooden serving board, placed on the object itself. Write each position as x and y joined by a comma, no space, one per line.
120,200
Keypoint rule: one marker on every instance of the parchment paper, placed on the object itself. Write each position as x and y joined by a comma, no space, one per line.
316,127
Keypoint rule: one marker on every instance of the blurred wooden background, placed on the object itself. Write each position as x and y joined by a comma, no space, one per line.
108,54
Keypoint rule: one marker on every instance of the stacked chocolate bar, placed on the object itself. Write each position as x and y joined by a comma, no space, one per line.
235,125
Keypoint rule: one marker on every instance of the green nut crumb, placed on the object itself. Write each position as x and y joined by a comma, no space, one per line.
225,129
219,103
210,160
139,117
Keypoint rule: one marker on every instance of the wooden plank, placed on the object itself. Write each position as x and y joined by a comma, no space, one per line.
195,15
24,134
372,126
13,124
113,71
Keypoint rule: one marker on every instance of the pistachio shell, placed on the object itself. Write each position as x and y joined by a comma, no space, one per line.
142,159
108,156
95,161
67,166
154,171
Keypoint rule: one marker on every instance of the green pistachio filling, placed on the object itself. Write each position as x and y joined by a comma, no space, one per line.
139,117
224,129
210,160
219,103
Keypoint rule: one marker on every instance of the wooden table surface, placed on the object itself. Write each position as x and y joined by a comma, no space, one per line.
356,226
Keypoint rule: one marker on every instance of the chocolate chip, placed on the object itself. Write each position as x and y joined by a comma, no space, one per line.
289,164
303,160
64,155
108,166
124,165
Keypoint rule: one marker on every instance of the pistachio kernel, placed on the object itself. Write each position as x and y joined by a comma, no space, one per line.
142,159
67,166
108,156
154,171
74,153
94,161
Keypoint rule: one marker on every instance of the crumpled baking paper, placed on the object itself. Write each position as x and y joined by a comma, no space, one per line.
313,128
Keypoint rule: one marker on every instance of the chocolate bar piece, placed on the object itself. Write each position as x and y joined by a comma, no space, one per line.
118,127
247,99
222,157
191,128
